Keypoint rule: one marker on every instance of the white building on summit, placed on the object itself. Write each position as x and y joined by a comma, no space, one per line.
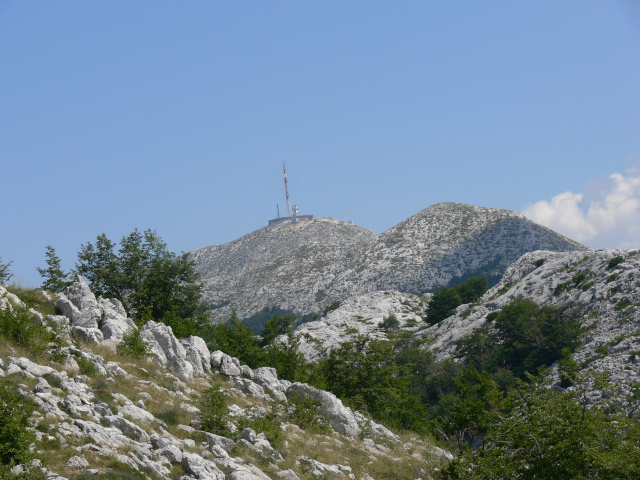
292,216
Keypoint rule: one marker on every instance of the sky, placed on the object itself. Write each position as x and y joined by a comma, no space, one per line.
178,116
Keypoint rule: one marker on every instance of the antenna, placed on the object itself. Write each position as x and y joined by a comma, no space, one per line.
286,189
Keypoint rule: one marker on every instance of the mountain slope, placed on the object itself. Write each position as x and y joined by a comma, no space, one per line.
303,267
605,288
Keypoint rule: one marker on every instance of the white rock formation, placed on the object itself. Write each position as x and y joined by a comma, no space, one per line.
305,266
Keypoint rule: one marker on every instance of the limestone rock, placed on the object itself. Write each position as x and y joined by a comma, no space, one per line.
166,349
319,469
77,462
341,418
200,468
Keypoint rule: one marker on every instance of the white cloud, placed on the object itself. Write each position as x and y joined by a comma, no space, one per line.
606,215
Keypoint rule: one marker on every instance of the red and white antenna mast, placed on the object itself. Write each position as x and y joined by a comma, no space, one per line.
286,189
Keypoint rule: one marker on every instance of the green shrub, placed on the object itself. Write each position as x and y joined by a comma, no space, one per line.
305,414
614,262
561,287
213,410
15,437
331,307
21,328
540,262
389,323
269,425
578,278
134,345
537,433
170,417
5,275
444,301
622,304
86,366
524,337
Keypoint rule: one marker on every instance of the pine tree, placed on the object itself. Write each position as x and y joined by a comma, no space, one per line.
55,280
4,272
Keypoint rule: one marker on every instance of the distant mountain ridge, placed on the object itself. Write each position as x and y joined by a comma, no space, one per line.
304,266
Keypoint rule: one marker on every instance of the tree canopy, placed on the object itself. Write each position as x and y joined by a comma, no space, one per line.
152,282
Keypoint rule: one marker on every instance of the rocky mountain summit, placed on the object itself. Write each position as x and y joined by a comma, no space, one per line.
96,411
307,265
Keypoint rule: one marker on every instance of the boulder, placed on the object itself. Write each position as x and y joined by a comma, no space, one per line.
87,335
229,368
114,322
167,350
341,418
198,467
267,377
197,354
79,304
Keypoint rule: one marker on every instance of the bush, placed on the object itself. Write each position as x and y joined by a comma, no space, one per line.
331,307
86,366
389,323
614,262
5,275
537,433
20,327
15,437
269,425
305,414
134,345
444,301
213,410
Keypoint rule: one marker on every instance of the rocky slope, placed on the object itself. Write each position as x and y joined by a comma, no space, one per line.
305,266
607,297
143,418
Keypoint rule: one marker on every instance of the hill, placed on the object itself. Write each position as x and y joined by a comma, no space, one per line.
77,406
305,266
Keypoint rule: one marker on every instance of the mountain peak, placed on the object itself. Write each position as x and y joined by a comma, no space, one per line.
306,265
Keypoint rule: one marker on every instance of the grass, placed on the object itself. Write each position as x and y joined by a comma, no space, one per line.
158,388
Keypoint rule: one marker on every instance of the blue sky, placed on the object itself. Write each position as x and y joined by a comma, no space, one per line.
177,116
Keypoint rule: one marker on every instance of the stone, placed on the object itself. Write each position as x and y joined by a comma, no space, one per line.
217,440
319,469
171,453
216,359
166,349
87,335
229,368
287,474
128,428
79,304
200,468
341,418
114,323
77,462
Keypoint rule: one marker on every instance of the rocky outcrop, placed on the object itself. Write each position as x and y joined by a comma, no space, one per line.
362,315
9,300
604,286
167,350
306,266
93,320
341,418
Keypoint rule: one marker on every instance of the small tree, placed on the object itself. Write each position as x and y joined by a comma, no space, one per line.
55,280
15,436
276,326
390,323
4,272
